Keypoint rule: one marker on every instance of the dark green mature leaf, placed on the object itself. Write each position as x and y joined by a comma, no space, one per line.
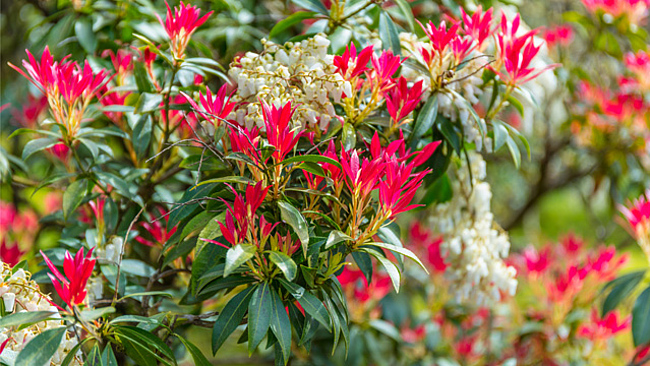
259,316
405,9
41,348
198,357
440,191
280,325
108,357
85,35
142,78
310,303
294,218
148,102
237,256
71,354
313,5
230,317
94,357
641,319
400,250
622,287
24,318
142,136
389,34
289,21
451,133
285,263
364,262
143,345
391,268
37,145
193,193
73,196
425,120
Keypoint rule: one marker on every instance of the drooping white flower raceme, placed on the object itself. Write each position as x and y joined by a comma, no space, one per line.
19,294
474,246
301,73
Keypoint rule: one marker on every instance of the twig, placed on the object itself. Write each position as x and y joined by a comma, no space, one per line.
119,262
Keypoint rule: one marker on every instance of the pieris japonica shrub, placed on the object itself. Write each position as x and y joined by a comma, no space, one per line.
253,168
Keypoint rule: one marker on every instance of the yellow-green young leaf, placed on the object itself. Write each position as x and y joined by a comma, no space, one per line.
281,326
285,263
294,218
237,256
259,316
230,317
41,348
348,136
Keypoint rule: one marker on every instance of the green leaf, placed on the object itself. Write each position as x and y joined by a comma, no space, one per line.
641,319
230,318
133,319
72,353
500,134
405,9
236,256
92,314
439,192
280,325
138,339
24,318
290,21
147,293
425,120
312,159
142,136
391,268
516,104
185,209
364,262
622,287
401,250
514,151
336,237
313,5
142,78
108,357
310,303
294,218
285,263
85,35
148,102
94,357
348,136
232,179
198,357
451,133
41,348
73,196
389,34
37,145
259,316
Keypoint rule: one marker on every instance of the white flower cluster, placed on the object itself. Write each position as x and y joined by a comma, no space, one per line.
462,86
20,294
474,245
300,72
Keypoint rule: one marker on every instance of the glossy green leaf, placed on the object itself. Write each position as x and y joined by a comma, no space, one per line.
425,119
41,348
389,34
94,357
84,31
348,136
335,237
285,263
236,256
230,318
142,136
259,316
294,218
622,287
37,145
312,159
641,319
405,9
73,196
148,102
280,325
390,267
290,21
197,356
24,318
313,5
310,303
